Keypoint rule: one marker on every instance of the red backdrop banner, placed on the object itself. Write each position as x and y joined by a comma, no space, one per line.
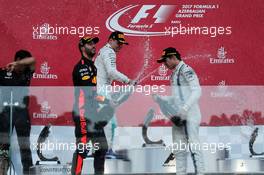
221,40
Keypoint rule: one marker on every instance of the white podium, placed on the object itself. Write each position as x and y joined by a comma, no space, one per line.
249,165
112,166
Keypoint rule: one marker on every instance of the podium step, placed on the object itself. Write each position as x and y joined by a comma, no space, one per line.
250,165
112,166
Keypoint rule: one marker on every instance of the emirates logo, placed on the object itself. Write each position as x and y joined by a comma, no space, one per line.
221,57
222,86
44,68
162,74
222,90
163,70
45,108
43,32
45,112
45,72
221,53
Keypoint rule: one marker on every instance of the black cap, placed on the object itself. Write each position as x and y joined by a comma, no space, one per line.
167,53
119,36
21,54
88,39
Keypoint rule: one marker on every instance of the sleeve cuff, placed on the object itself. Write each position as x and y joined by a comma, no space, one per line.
126,81
186,107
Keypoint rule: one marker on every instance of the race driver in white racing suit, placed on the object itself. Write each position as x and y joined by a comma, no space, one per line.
186,92
106,73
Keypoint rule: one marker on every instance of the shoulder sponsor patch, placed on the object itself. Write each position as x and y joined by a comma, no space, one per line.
85,77
94,80
112,55
189,74
83,70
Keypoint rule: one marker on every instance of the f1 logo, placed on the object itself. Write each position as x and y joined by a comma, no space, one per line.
161,15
